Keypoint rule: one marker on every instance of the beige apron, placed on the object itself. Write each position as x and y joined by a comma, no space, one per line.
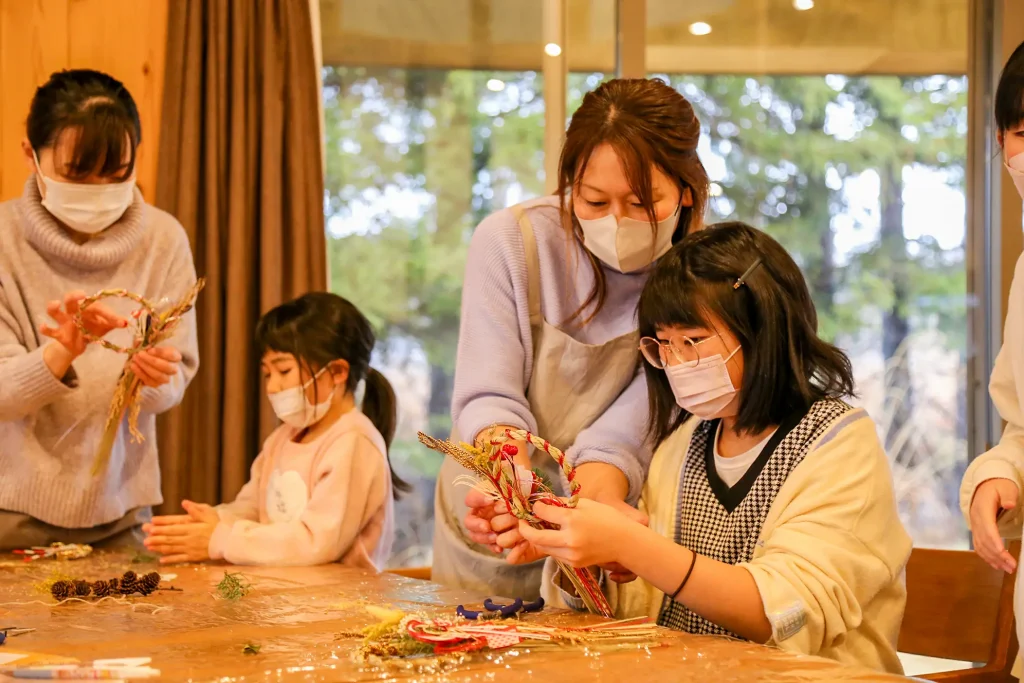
571,385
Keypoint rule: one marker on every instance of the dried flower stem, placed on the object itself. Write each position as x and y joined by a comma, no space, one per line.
233,586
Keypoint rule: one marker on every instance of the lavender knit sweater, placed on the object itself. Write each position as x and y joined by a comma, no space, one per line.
49,427
495,354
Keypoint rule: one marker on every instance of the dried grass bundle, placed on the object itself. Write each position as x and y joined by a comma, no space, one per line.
152,328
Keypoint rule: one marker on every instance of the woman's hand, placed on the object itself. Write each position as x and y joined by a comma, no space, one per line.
591,534
478,520
71,343
183,538
990,499
156,366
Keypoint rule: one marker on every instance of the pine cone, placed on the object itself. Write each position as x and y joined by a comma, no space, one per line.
82,588
114,585
101,589
129,583
62,590
149,583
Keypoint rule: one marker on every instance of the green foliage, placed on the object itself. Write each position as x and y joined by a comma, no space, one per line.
233,587
785,174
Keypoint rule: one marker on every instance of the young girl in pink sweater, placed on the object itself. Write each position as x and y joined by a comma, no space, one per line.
321,491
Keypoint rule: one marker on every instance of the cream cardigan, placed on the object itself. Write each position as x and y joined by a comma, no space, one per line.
1006,459
831,554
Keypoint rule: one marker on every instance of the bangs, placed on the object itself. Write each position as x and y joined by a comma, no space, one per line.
634,153
278,331
1009,99
672,297
100,141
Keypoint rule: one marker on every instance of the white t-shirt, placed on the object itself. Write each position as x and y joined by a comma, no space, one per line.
731,470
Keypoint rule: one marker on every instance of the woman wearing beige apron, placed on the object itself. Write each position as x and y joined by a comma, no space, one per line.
548,338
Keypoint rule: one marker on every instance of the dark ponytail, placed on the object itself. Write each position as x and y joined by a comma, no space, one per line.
381,406
319,328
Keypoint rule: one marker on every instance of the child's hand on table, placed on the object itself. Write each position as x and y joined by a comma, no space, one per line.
183,538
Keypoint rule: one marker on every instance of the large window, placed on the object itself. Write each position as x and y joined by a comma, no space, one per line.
845,141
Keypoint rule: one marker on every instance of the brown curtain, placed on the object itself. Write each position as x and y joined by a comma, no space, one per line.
240,166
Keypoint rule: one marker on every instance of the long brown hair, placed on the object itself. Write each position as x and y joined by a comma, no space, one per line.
647,123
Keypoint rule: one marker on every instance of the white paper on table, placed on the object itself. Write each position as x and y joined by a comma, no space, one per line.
124,662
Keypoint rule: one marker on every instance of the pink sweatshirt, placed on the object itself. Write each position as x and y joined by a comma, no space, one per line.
325,501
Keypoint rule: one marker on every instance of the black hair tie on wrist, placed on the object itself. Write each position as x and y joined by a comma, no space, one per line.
686,578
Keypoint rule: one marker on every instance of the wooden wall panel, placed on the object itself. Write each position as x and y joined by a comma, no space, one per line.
33,44
125,38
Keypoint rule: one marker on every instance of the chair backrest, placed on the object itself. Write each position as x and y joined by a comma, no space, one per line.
958,608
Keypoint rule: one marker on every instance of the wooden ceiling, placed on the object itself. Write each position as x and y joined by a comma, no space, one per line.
747,36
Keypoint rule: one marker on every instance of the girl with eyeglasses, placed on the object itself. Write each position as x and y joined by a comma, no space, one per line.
771,505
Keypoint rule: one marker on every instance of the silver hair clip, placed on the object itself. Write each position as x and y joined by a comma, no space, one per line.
742,279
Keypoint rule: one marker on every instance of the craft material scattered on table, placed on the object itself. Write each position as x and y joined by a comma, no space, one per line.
495,611
233,586
398,634
144,558
59,551
498,476
12,631
82,673
128,584
251,649
154,325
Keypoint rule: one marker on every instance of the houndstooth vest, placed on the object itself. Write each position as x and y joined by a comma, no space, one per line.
724,523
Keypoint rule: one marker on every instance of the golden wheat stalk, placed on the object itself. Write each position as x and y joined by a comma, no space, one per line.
158,327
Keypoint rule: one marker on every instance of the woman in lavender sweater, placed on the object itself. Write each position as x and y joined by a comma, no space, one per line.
81,225
548,340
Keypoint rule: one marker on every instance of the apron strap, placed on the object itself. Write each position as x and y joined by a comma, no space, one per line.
532,265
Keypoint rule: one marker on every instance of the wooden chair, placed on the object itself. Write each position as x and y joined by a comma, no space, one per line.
422,573
960,608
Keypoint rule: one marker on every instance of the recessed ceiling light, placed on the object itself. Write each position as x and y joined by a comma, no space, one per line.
496,85
803,5
553,49
700,28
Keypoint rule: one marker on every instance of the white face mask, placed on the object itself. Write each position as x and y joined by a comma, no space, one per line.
1015,167
627,245
293,408
703,390
89,209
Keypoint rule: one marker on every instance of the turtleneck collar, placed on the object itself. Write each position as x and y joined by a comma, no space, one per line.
106,249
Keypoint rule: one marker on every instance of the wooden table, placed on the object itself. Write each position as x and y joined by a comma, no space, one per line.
295,615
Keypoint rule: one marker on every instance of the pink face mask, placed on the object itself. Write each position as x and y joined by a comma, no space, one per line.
1015,167
703,389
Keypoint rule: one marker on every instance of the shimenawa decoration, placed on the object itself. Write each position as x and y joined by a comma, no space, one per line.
498,476
155,325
